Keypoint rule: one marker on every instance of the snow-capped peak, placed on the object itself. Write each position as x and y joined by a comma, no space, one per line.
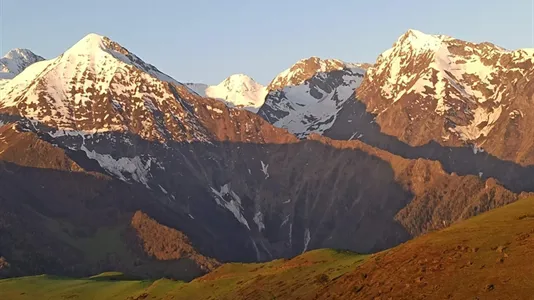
15,61
238,79
306,98
420,41
96,47
413,61
238,90
90,43
241,84
415,42
444,77
99,86
20,54
303,70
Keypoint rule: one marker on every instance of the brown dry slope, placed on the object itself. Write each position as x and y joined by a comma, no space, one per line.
167,244
486,257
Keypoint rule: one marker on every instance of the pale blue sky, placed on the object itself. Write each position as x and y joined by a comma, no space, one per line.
207,40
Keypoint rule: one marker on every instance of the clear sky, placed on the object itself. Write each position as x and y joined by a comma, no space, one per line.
207,40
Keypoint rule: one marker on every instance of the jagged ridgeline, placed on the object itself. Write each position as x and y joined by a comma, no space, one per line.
99,148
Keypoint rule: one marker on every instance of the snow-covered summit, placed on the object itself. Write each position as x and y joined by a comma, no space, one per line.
437,78
238,90
420,41
15,61
303,70
99,48
306,98
99,86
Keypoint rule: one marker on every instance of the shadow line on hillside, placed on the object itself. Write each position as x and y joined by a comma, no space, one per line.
354,122
311,170
297,184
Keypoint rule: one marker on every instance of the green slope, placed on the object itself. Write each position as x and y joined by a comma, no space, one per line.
486,257
280,278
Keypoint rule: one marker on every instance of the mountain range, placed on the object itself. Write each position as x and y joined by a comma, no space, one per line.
98,147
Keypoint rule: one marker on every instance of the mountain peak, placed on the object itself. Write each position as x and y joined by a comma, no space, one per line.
98,48
15,61
236,80
417,40
310,59
92,43
322,63
238,77
238,90
98,85
462,84
416,33
93,37
20,53
303,70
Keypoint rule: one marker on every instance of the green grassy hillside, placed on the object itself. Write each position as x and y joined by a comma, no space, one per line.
280,278
486,257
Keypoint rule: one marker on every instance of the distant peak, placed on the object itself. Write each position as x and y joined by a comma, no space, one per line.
316,59
17,51
15,61
304,69
20,53
311,58
240,79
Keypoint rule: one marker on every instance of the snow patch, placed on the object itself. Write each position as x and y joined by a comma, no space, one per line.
515,114
162,189
255,249
134,166
307,239
481,125
258,219
264,168
219,111
356,135
284,222
477,149
233,204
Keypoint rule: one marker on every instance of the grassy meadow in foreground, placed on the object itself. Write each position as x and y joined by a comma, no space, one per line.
486,257
300,276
